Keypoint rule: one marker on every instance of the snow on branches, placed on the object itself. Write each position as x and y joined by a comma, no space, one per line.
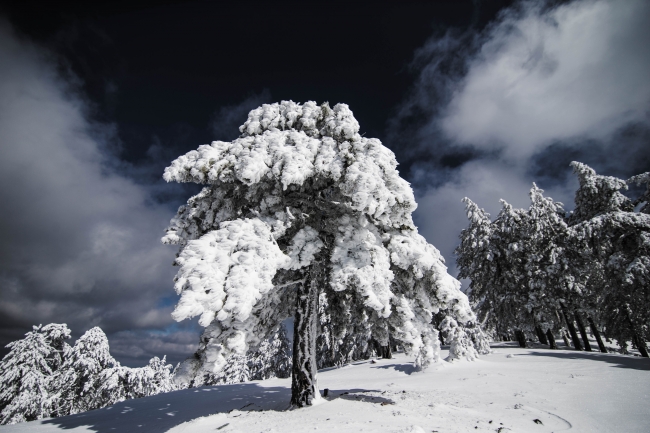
535,268
301,196
42,376
227,271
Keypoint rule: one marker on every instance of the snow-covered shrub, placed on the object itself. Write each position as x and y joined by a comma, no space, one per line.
460,344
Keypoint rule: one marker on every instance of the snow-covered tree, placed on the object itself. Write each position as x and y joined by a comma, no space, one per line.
25,373
120,383
76,384
43,376
534,266
597,194
517,265
301,204
639,180
614,242
272,358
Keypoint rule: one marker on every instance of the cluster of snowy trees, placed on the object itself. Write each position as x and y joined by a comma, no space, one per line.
302,217
539,271
272,358
43,376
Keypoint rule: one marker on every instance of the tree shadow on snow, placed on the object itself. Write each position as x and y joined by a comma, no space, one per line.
359,395
404,368
162,412
620,361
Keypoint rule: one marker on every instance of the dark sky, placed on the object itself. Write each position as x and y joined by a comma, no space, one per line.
476,98
164,68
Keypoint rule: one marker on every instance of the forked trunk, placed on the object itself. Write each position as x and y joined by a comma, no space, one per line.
594,330
572,328
304,387
551,339
583,331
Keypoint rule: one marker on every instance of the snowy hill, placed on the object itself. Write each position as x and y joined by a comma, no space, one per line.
520,390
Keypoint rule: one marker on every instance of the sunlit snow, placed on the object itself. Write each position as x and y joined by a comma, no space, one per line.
510,390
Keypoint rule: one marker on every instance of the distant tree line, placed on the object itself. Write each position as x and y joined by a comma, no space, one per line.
542,272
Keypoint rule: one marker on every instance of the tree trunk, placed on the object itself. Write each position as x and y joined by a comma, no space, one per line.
521,338
594,330
636,338
551,339
566,340
388,353
583,331
540,335
572,328
304,387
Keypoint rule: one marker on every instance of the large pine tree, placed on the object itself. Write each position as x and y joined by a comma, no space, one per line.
299,206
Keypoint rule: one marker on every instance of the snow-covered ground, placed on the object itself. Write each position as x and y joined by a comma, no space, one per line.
511,390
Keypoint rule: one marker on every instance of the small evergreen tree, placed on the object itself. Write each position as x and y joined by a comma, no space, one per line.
25,374
272,358
120,383
76,385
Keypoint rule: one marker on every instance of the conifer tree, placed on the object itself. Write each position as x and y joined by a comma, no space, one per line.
299,205
25,374
119,383
76,385
272,358
517,265
644,198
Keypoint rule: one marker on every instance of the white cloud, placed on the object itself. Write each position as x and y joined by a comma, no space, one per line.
555,82
441,214
578,70
79,242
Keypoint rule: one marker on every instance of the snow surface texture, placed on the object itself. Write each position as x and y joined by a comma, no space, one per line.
300,183
508,390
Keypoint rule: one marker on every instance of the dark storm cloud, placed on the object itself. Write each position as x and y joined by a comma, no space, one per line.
495,110
79,241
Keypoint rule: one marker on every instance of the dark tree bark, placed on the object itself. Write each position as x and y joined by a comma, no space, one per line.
521,338
636,338
572,328
594,330
583,331
303,376
551,339
387,352
540,335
